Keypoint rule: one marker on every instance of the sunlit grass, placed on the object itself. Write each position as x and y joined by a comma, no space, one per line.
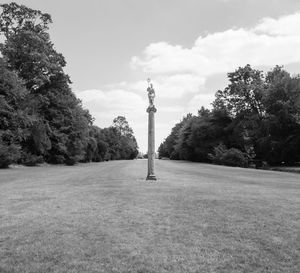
106,218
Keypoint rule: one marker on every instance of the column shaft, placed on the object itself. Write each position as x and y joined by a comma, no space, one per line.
151,146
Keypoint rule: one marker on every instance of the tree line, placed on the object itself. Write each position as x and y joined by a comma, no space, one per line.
254,121
41,120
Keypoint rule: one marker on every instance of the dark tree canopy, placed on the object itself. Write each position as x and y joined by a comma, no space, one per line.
255,119
244,93
16,17
40,117
122,126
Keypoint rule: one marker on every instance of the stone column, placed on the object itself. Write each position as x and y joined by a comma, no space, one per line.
151,142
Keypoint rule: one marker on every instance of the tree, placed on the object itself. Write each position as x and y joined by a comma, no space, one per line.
15,17
128,147
60,132
256,116
279,141
201,134
243,100
110,144
230,157
40,116
122,126
244,94
13,118
167,148
12,94
27,48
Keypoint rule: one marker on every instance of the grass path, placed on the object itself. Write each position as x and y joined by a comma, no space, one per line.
104,217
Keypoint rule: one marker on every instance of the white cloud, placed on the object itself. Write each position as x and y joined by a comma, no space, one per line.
167,86
177,85
270,42
181,74
111,103
286,25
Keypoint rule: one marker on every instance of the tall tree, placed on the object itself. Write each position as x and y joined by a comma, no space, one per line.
122,126
244,94
128,148
13,119
243,99
28,48
255,118
280,136
61,132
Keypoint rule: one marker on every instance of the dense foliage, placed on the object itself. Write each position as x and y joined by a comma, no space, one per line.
40,117
254,120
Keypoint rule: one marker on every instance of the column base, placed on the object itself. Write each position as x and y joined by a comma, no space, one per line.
151,177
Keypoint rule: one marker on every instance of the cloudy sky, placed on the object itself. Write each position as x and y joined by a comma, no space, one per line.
185,46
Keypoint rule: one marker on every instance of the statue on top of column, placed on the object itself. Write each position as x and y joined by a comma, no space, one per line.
151,93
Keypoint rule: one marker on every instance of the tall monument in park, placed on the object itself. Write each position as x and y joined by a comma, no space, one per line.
151,132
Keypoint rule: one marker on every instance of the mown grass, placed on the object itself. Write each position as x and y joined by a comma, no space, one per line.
106,218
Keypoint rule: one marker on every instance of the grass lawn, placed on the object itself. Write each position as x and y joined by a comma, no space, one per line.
104,217
287,169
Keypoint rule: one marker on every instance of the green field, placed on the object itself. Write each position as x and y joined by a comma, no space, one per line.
104,217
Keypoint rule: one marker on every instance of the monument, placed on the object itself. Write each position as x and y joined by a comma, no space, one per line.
151,132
